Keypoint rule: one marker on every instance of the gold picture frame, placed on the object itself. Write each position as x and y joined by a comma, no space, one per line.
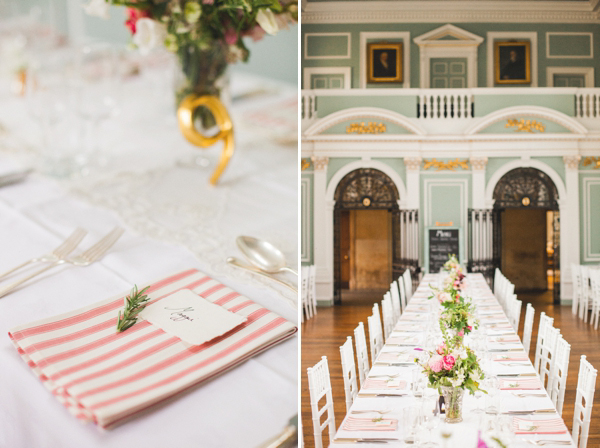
512,62
384,62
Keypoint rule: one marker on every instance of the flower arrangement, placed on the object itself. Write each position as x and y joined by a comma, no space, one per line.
459,317
451,365
452,263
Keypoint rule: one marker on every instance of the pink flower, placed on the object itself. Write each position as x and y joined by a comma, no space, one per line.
461,333
231,36
448,362
436,363
256,33
132,17
208,2
441,348
443,297
470,328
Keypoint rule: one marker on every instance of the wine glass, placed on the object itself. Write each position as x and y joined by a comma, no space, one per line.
431,417
446,432
97,93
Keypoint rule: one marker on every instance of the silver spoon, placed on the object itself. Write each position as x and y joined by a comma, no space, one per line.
238,263
263,255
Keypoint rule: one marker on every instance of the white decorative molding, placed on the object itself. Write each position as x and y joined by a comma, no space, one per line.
320,163
412,163
509,35
572,162
588,255
348,49
478,163
346,72
359,164
530,111
396,35
565,33
431,46
305,229
587,72
354,113
444,12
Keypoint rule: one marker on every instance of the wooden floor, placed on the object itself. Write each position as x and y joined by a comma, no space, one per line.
325,333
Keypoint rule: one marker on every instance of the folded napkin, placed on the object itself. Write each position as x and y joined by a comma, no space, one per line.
392,383
509,338
520,384
402,340
106,377
515,357
408,326
550,426
370,424
395,357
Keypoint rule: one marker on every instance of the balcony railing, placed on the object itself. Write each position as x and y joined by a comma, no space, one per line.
456,105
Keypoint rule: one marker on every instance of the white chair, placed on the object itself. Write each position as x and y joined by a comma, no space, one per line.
388,315
586,385
595,296
497,274
312,289
407,284
528,327
362,354
514,312
375,333
557,383
348,372
402,291
395,300
545,322
548,355
584,299
576,278
319,386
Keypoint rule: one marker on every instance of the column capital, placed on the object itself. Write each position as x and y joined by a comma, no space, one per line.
319,162
572,162
478,163
412,163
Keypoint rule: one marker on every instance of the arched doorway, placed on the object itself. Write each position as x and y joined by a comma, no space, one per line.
366,232
526,238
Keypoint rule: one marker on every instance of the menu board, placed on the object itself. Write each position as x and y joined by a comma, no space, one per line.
442,242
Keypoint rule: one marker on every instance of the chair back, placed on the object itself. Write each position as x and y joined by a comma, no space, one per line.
545,321
312,289
595,296
407,284
319,386
528,327
586,385
375,333
584,298
548,356
388,315
558,376
362,353
306,310
576,279
348,372
395,294
402,290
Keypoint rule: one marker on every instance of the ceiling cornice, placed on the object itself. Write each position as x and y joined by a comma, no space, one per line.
454,12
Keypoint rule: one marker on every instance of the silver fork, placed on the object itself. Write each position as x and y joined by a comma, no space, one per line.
548,442
59,253
85,259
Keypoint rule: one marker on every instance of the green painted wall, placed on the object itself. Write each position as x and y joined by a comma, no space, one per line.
500,127
397,165
480,29
495,163
484,104
390,128
406,106
335,163
556,163
589,219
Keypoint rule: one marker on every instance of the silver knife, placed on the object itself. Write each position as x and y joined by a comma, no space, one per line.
516,374
13,178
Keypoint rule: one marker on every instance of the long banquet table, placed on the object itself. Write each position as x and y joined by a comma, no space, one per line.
408,334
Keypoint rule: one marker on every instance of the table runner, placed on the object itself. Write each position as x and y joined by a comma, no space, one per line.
108,377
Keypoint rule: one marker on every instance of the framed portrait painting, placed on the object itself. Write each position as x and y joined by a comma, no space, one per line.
512,62
384,62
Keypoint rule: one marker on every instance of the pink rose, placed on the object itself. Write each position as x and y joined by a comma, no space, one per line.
436,363
231,36
441,348
470,328
444,297
461,333
448,362
208,2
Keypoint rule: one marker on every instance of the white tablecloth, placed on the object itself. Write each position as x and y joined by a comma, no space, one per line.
464,434
182,224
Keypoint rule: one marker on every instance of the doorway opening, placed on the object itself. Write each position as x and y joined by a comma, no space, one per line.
527,231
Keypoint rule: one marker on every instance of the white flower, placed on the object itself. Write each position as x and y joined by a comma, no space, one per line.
97,8
148,34
475,376
266,20
460,353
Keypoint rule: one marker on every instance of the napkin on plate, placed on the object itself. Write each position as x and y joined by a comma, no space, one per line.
395,357
511,357
520,384
549,426
370,424
392,384
107,377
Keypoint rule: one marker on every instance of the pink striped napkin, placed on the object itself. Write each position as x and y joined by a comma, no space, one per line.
402,340
509,338
392,384
515,357
550,426
521,384
370,424
107,377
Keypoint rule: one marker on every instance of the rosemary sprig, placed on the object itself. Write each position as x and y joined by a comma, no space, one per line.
135,302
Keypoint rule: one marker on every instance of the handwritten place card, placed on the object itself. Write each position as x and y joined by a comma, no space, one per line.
190,317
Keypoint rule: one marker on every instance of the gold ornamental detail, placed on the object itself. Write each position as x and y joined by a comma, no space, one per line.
305,164
449,165
365,128
593,161
523,125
